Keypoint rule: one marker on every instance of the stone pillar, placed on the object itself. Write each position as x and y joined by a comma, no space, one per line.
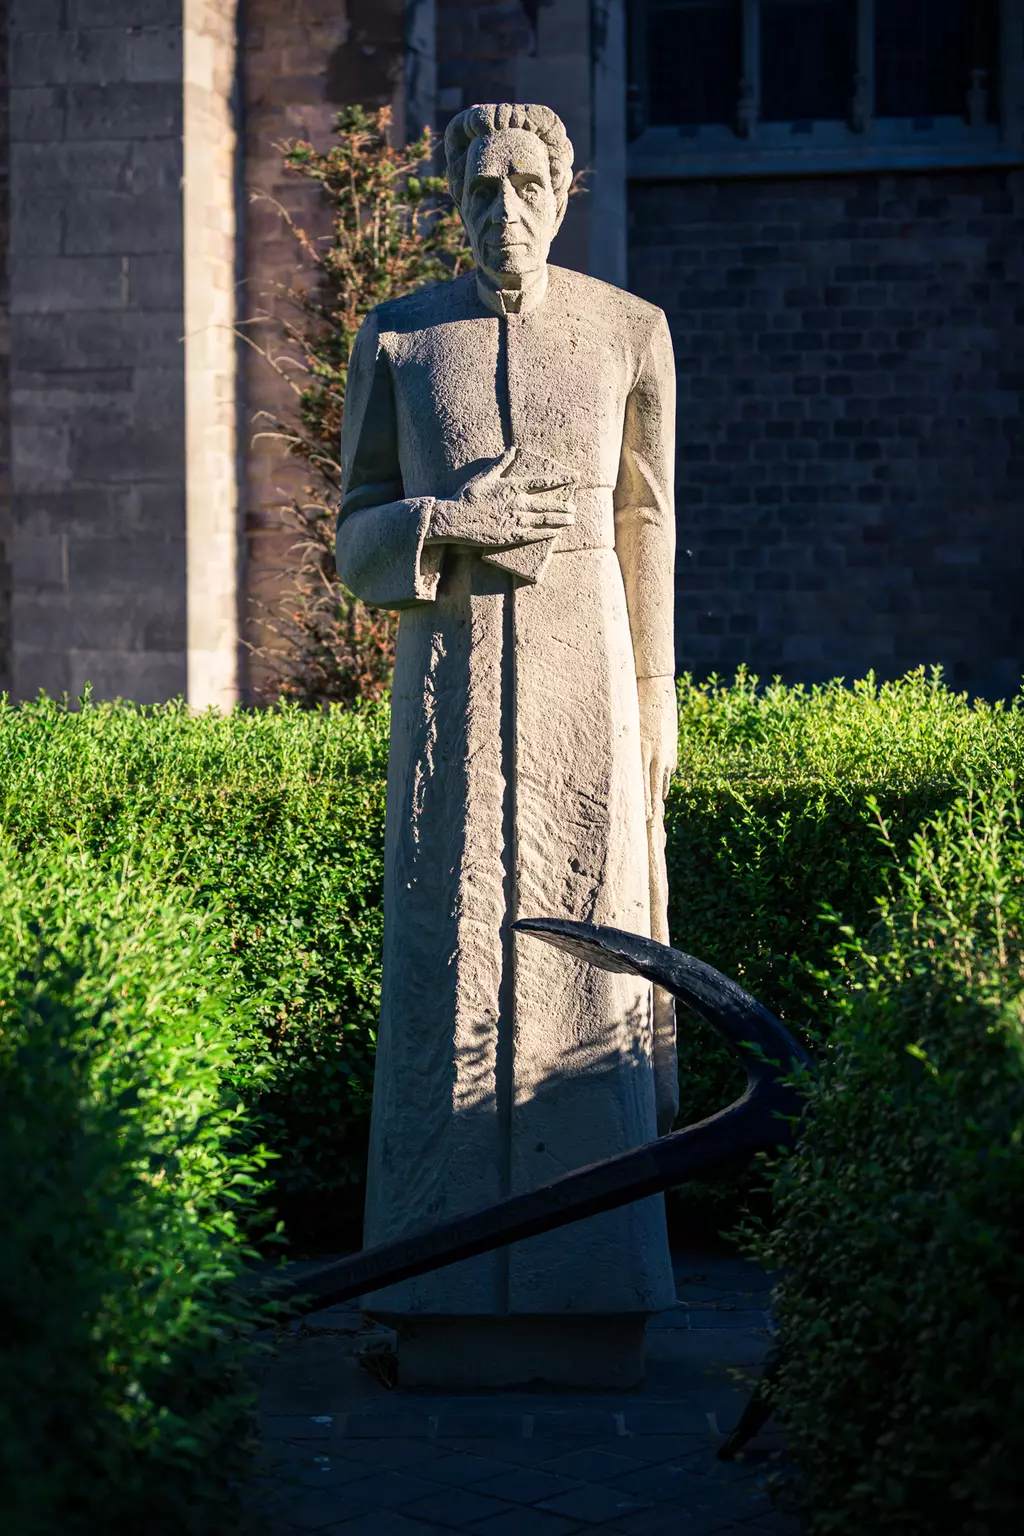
211,352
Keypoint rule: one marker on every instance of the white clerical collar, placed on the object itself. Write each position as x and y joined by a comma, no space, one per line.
513,301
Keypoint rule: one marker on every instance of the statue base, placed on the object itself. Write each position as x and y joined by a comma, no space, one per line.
467,1354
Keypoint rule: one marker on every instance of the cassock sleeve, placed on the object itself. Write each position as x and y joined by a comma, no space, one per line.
645,528
379,549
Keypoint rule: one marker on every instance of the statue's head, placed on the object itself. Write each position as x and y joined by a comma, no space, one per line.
509,170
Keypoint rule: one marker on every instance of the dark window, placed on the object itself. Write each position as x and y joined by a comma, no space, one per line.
694,61
925,51
808,58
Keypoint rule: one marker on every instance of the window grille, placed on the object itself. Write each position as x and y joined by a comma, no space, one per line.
721,87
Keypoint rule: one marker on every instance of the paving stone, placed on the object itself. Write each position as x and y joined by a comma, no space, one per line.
777,1522
297,1426
526,1453
502,1426
573,1422
593,1503
663,1520
594,1465
463,1469
388,1490
755,1320
322,1472
386,1426
687,1418
716,1295
526,1485
385,1522
455,1507
668,1480
367,1452
531,1464
678,1317
705,1463
653,1448
312,1511
525,1522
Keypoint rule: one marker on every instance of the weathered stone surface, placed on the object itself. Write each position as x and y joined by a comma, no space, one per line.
520,408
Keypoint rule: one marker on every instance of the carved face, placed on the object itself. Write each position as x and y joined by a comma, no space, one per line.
508,206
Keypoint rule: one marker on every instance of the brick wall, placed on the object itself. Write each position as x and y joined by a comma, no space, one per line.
302,60
850,358
97,372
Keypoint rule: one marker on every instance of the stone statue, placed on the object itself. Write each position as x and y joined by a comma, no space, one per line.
507,454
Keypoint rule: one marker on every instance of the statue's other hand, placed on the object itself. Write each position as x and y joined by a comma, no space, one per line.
659,739
502,507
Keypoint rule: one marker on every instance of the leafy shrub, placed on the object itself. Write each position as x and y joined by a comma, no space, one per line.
392,231
273,821
128,1195
770,828
898,1220
276,819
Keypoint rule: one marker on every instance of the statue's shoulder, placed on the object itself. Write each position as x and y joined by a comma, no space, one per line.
424,307
604,304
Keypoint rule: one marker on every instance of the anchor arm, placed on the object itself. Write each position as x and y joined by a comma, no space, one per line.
755,1121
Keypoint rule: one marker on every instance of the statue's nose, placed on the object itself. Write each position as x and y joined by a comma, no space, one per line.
506,204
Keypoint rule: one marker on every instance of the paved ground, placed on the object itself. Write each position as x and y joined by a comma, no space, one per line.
346,1454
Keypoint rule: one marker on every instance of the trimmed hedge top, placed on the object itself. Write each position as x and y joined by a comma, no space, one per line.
773,829
278,815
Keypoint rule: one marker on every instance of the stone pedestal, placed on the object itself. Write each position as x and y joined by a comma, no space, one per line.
465,1354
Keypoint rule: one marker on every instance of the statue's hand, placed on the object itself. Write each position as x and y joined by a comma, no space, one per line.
659,739
500,508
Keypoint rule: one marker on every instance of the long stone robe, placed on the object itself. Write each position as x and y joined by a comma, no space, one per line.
514,784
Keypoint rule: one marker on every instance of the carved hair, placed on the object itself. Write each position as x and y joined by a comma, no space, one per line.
494,117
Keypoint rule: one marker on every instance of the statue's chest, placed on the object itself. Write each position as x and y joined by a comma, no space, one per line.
539,380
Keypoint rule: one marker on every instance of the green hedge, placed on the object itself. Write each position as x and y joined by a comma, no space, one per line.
773,820
274,822
130,1183
189,958
279,817
899,1220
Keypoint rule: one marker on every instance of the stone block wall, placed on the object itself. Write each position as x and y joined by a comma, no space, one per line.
5,399
97,361
850,357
